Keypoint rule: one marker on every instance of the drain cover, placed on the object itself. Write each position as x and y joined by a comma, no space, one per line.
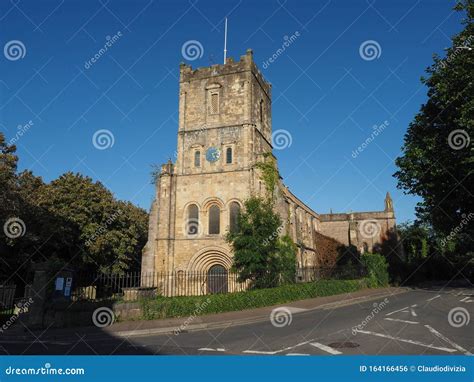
341,345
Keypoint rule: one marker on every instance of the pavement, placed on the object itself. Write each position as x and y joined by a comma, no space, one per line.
374,321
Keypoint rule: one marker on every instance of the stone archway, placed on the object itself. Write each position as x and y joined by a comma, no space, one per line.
211,265
207,257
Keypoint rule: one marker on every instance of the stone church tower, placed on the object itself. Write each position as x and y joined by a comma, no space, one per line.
224,130
224,123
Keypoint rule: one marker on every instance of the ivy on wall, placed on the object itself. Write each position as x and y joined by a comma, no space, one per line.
269,174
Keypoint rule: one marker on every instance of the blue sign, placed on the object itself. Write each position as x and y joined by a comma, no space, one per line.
237,368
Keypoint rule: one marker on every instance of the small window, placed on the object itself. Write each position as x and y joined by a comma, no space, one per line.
197,159
228,155
261,111
214,220
214,103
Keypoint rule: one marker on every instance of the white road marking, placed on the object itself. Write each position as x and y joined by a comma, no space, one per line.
211,349
464,299
258,352
325,348
453,344
433,298
296,354
407,341
293,309
404,321
277,351
395,311
413,312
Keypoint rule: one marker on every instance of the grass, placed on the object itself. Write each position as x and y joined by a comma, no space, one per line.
167,307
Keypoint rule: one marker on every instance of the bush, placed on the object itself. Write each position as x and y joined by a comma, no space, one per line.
377,269
166,307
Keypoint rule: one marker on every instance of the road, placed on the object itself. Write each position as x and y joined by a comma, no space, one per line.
421,321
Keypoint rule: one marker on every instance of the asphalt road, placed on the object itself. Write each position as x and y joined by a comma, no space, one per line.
416,322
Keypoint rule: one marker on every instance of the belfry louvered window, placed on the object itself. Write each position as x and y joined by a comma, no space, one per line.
214,103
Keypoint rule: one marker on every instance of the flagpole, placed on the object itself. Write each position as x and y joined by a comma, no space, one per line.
225,41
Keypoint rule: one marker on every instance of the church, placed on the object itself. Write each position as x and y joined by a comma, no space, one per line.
224,130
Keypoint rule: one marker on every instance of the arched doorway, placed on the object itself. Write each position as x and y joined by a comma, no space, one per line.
217,279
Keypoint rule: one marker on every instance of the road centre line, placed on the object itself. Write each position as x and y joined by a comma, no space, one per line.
433,298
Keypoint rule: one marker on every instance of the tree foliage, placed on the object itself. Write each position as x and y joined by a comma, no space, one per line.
260,254
72,220
437,161
437,158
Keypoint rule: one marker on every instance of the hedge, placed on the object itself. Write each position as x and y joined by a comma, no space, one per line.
167,307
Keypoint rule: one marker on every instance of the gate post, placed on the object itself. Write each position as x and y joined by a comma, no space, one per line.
38,295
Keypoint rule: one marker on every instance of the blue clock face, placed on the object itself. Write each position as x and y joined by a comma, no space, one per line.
213,154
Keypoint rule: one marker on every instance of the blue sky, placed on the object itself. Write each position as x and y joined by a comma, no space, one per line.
326,94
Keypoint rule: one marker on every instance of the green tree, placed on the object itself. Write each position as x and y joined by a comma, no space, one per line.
71,221
107,235
260,255
8,166
438,158
437,155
